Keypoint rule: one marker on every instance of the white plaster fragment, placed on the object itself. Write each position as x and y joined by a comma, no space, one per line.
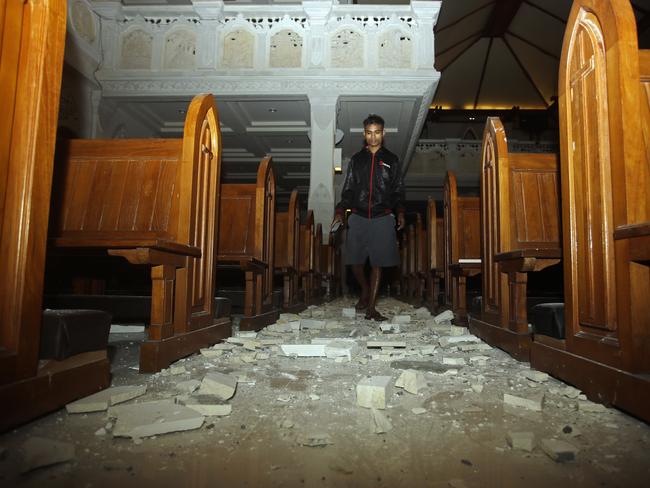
101,400
373,392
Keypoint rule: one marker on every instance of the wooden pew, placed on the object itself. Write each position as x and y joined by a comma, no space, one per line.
30,86
461,245
307,259
331,267
605,174
421,261
153,202
247,242
520,233
435,240
317,278
287,254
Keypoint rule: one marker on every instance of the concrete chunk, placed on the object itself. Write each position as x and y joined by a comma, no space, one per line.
384,344
535,402
221,385
536,376
591,407
345,349
208,405
411,380
422,313
349,313
39,452
559,451
381,423
522,441
188,386
374,391
312,324
153,418
446,316
100,401
447,340
303,350
453,361
288,317
390,328
402,319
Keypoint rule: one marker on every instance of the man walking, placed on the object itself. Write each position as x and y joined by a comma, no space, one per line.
373,188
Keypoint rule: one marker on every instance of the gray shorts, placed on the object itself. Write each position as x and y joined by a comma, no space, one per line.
371,238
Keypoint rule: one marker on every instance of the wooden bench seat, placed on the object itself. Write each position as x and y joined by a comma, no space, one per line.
152,202
461,245
246,240
605,174
287,254
435,240
520,228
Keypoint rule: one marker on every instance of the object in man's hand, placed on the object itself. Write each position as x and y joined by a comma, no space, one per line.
335,226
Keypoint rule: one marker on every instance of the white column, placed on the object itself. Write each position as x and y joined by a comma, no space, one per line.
321,176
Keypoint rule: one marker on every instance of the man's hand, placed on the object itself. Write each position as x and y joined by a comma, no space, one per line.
401,223
337,222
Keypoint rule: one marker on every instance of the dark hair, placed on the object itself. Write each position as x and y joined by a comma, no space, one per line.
373,119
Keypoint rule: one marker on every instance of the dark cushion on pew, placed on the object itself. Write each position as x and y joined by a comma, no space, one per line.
548,319
123,308
65,333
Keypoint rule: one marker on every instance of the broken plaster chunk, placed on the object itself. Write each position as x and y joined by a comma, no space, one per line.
342,349
221,385
284,327
411,380
101,400
208,405
189,386
522,441
480,360
380,422
247,334
477,387
453,361
312,324
374,391
418,410
534,402
402,319
536,376
39,452
303,350
349,313
422,313
559,451
591,407
446,316
314,440
385,344
390,328
211,353
288,317
428,350
153,418
447,340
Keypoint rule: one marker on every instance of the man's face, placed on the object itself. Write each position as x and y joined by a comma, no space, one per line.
374,135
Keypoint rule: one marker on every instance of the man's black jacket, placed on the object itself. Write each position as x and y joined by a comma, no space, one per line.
373,184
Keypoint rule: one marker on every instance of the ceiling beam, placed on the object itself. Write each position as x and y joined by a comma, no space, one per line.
458,43
480,83
459,20
533,45
525,71
501,17
543,10
458,55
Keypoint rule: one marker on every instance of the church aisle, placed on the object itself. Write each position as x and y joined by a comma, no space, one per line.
453,408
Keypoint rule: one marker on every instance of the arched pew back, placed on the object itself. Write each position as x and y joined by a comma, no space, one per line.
246,239
154,202
461,245
435,255
605,170
520,233
287,253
